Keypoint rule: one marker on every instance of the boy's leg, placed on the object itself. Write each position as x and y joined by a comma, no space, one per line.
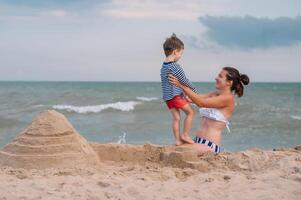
187,123
176,125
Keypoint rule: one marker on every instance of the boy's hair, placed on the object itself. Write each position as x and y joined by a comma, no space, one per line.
172,43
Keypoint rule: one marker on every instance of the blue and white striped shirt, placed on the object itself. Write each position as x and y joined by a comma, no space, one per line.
169,90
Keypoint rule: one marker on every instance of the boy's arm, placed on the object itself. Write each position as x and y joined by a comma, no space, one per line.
179,73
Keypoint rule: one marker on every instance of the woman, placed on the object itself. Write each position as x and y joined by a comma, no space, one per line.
216,107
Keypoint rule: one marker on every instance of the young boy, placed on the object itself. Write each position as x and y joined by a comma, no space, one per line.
172,95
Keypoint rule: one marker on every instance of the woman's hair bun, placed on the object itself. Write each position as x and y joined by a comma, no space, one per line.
244,79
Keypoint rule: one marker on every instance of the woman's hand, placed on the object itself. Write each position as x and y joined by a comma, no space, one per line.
173,80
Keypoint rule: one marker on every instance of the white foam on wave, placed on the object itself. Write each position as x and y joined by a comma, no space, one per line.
296,117
123,106
147,98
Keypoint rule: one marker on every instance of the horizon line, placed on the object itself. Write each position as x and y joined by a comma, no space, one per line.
124,81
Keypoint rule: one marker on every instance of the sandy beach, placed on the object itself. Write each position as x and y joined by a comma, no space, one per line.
119,99
124,171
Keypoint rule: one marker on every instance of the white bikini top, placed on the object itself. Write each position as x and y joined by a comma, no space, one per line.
213,113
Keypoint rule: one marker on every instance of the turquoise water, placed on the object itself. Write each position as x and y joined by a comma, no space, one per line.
267,116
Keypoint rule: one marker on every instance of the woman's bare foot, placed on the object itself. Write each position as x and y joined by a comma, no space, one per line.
187,139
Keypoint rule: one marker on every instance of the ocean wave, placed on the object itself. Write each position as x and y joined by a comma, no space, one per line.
146,98
123,106
296,117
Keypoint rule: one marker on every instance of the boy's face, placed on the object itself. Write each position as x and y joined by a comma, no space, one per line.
178,54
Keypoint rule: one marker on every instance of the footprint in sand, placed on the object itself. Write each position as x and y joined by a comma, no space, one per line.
103,184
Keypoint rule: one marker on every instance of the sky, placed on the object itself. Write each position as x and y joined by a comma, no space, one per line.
121,40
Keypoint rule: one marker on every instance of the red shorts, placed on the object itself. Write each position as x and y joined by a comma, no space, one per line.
176,102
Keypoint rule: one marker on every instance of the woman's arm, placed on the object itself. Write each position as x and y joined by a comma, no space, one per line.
209,94
220,101
205,95
202,100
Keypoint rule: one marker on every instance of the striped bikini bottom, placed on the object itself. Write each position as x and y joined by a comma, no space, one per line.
210,144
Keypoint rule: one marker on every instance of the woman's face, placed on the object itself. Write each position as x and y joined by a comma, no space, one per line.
221,81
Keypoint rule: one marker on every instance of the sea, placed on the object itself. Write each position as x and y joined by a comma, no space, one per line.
267,116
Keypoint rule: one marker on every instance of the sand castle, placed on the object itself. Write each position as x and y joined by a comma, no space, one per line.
50,141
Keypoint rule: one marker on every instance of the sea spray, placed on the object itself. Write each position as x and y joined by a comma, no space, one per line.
122,139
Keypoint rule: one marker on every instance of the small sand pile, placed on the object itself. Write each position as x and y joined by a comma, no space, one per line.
49,142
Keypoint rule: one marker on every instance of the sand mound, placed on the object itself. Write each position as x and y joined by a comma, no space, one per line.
49,142
128,152
253,160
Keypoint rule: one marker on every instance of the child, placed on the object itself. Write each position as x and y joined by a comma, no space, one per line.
172,95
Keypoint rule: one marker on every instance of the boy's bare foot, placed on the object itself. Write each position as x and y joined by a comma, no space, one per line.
178,143
187,139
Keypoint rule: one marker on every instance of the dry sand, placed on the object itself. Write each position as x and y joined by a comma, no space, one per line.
123,171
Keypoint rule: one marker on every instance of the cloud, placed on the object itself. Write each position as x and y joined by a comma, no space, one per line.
33,9
200,43
52,4
251,32
152,9
56,13
158,9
